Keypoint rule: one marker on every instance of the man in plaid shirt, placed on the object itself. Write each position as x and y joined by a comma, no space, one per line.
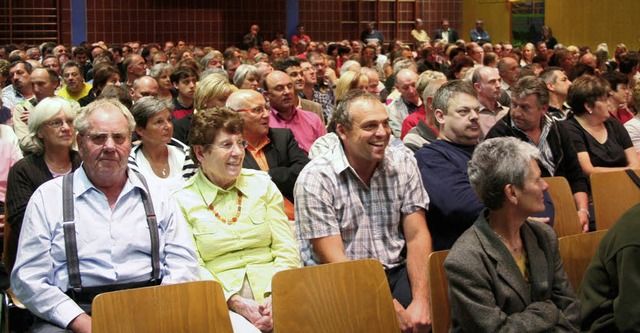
363,199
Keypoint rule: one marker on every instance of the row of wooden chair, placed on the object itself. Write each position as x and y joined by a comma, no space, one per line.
352,296
613,194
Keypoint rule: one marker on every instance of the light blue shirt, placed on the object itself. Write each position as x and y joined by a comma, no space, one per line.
114,246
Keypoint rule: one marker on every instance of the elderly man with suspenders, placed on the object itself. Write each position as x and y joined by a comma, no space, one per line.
102,228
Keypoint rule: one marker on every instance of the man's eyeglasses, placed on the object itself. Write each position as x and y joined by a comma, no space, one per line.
55,124
260,110
100,139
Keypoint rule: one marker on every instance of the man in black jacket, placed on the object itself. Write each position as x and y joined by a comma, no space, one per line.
274,150
527,120
446,33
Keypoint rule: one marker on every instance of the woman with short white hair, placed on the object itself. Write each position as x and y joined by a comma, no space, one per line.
50,143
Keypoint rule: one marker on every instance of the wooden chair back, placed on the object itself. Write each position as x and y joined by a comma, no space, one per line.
439,293
613,194
198,306
566,221
352,296
576,252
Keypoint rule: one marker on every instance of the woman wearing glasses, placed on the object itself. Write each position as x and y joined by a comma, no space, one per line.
52,137
158,156
237,219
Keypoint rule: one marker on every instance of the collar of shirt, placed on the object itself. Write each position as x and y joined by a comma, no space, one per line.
276,113
209,190
411,108
499,108
340,163
265,141
83,184
545,126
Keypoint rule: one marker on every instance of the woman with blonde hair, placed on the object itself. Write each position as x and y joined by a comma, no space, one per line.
213,59
350,80
213,90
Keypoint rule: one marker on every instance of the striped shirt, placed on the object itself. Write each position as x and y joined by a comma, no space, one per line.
181,167
332,200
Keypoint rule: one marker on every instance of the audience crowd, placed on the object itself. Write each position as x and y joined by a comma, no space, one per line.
234,164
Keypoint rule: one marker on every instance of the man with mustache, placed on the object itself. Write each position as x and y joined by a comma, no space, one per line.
20,88
126,233
453,205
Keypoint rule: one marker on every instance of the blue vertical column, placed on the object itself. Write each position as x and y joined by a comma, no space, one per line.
78,21
292,17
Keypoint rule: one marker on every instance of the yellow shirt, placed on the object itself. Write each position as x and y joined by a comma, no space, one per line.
522,265
257,246
64,93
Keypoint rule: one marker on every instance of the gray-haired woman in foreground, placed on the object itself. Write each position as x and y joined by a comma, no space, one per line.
505,273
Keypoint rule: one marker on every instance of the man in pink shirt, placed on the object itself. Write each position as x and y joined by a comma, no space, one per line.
306,126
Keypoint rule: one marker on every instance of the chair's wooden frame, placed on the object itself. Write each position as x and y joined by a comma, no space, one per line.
613,194
352,296
198,306
566,221
439,293
576,252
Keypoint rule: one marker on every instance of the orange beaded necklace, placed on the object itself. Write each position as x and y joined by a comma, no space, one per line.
233,219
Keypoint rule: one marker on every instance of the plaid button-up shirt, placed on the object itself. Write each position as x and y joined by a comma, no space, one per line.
331,199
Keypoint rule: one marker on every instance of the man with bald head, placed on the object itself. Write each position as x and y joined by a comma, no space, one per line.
508,68
590,60
136,68
274,150
407,103
486,82
306,126
142,87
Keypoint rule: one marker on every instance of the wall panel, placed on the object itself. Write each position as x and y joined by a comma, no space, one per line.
590,22
495,14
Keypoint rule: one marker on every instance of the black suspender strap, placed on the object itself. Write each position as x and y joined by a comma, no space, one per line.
69,227
633,176
70,244
153,228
